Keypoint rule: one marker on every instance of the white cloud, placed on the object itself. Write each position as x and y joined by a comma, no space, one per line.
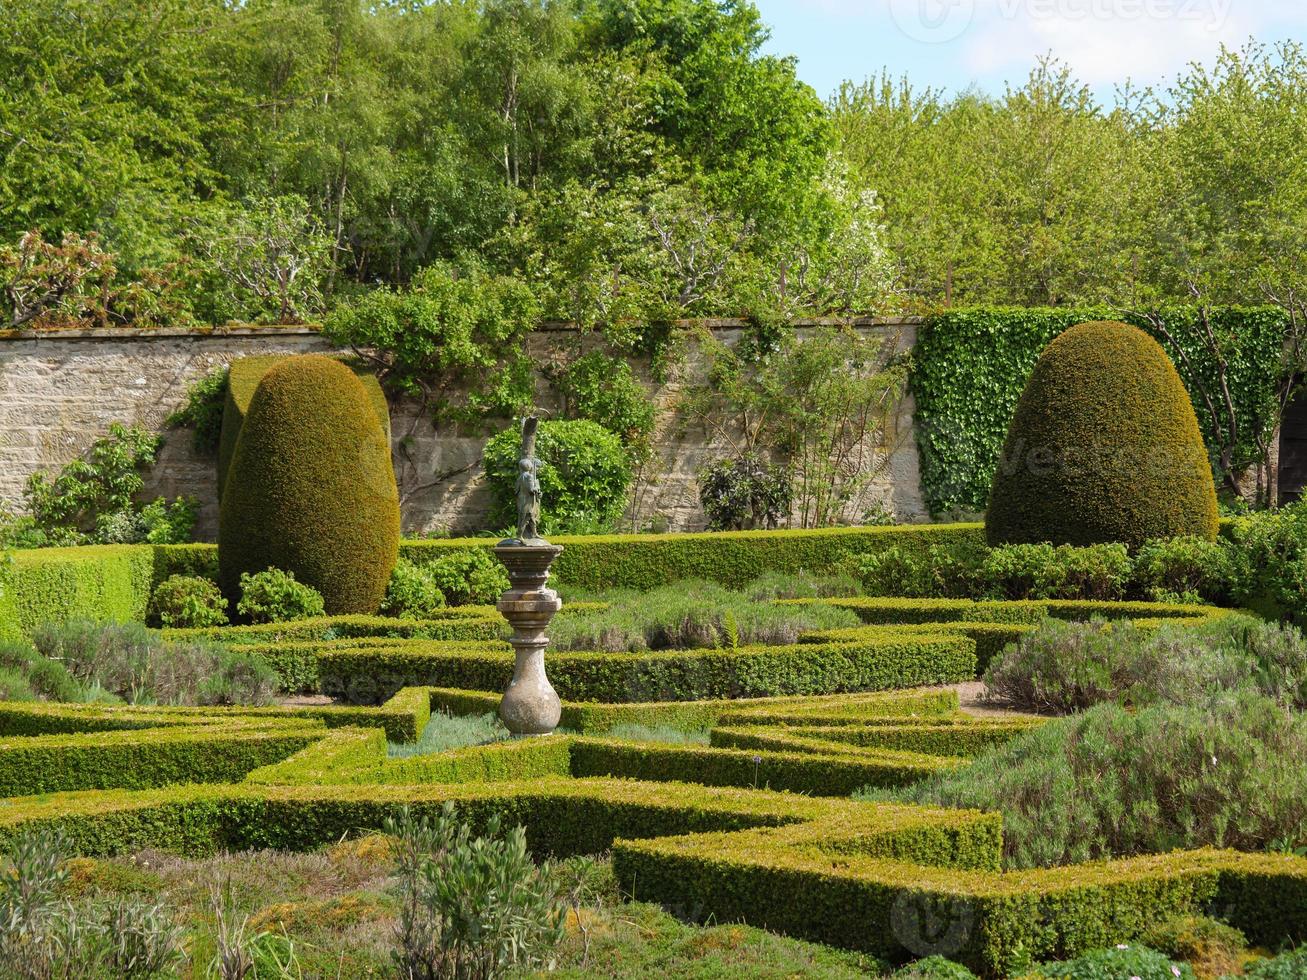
1105,41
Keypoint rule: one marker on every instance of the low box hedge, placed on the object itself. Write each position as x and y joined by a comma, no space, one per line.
595,718
144,758
732,558
868,876
964,738
369,676
97,582
785,771
402,718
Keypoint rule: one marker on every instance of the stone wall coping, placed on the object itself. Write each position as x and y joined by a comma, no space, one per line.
264,331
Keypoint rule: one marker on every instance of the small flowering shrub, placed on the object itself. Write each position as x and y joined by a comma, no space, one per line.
1041,571
1185,569
1122,963
470,577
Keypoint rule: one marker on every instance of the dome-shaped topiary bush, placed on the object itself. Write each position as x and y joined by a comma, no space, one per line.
311,489
1104,446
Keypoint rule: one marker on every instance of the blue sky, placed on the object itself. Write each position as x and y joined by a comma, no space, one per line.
953,44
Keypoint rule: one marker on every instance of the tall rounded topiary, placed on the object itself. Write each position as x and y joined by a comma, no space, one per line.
1104,446
311,489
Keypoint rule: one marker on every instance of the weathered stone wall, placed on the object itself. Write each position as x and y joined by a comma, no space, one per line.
59,392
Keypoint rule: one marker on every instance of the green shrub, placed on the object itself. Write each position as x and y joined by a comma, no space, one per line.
1104,447
691,615
584,476
140,666
243,377
902,572
1184,569
1065,666
311,489
1121,963
1200,940
1116,782
274,596
1042,571
412,592
471,577
470,907
1269,557
934,968
158,522
14,686
1286,966
744,494
188,601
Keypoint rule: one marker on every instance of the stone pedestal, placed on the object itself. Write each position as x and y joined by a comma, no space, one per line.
530,705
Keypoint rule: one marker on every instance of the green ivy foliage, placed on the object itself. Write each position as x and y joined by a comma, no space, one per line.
971,365
203,410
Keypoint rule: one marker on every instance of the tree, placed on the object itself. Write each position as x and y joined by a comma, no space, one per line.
818,406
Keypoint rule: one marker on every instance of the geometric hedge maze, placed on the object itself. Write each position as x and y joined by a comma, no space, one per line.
755,827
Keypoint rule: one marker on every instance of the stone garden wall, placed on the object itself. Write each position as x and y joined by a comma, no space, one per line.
60,391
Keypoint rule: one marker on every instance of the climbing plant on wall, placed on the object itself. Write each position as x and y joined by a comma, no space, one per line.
970,366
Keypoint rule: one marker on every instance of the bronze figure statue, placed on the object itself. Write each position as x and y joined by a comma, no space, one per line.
528,485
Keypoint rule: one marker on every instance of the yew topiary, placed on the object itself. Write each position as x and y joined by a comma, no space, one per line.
311,489
1104,447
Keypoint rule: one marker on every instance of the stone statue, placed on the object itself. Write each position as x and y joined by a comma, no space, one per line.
528,485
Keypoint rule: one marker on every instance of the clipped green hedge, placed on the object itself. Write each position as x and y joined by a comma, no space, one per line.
145,758
733,558
877,877
785,771
99,582
402,718
877,610
964,738
311,489
371,675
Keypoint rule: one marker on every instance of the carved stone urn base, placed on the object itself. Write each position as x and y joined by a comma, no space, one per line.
530,705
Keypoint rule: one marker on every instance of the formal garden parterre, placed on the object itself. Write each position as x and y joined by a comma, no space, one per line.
754,826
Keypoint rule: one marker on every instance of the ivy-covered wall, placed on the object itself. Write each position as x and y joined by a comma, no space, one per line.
970,366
